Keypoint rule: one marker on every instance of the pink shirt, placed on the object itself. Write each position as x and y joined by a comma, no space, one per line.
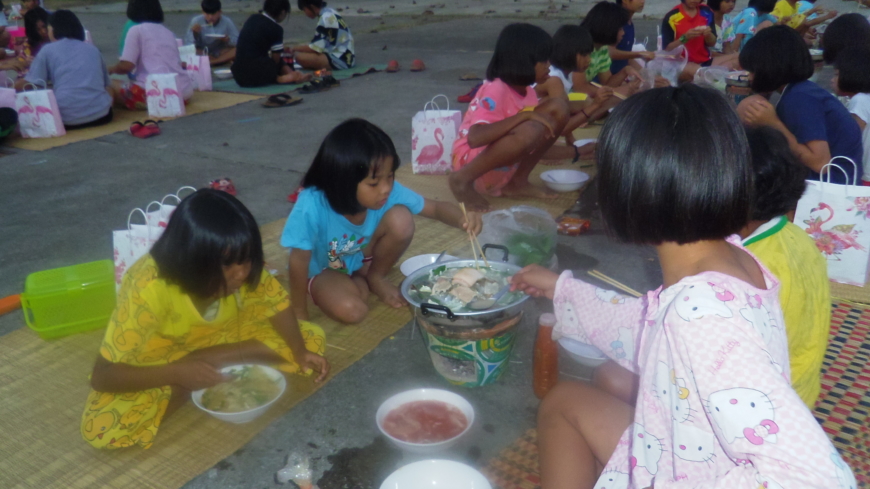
715,407
495,101
152,48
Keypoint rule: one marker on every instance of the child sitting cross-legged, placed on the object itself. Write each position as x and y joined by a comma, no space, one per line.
332,45
353,221
259,53
213,33
199,301
714,407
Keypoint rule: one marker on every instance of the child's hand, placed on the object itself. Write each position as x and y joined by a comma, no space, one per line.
194,374
196,28
757,111
647,55
536,281
603,93
313,361
474,223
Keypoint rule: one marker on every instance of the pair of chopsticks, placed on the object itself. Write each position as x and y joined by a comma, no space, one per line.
473,239
618,285
615,94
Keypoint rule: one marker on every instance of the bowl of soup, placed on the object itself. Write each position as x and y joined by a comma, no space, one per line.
250,392
429,474
425,420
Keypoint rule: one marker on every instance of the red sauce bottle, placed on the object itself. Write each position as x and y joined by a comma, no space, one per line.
546,358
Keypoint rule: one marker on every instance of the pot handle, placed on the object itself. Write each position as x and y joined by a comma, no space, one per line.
426,308
497,247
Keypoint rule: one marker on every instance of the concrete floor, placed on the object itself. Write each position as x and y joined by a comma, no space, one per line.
60,206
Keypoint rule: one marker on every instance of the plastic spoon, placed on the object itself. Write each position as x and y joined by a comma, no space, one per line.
484,304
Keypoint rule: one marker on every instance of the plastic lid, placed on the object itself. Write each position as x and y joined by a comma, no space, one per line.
547,319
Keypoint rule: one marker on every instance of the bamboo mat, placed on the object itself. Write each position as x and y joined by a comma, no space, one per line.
850,293
201,102
43,386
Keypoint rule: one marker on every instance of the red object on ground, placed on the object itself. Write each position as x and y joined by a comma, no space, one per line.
572,225
468,97
546,357
294,196
224,184
9,304
425,422
392,66
417,65
146,130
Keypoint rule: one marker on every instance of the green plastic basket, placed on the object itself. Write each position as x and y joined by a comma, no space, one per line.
69,300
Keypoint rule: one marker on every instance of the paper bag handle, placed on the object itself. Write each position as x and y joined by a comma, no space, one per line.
434,104
148,207
826,175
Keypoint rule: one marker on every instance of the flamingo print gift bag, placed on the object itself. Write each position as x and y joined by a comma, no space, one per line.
164,99
38,115
837,217
432,135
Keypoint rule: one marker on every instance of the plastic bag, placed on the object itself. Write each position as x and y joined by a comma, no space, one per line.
667,64
297,472
712,76
640,47
528,233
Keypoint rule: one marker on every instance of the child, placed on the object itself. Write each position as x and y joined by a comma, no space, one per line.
506,131
749,21
723,24
259,61
332,45
76,72
622,54
35,34
714,407
817,126
605,22
199,301
691,24
352,222
214,32
846,30
853,80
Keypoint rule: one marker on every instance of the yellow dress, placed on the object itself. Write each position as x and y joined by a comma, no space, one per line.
785,9
790,254
155,323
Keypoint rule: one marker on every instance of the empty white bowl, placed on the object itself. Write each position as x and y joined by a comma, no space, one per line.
223,74
425,395
429,474
415,263
251,414
564,180
583,353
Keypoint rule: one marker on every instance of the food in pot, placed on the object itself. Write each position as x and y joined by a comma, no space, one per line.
458,286
251,388
425,422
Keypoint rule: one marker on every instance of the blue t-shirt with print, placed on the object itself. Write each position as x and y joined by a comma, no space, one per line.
811,113
626,44
334,241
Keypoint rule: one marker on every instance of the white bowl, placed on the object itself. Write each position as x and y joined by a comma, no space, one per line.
415,263
564,180
425,395
583,353
223,74
251,414
429,474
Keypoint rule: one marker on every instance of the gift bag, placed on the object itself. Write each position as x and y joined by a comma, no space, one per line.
199,70
7,91
186,50
164,99
837,217
160,216
433,132
38,115
639,47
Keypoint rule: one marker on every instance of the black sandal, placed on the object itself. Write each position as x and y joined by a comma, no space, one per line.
281,100
314,86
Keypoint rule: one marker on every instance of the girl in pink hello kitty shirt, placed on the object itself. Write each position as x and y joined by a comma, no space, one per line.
715,407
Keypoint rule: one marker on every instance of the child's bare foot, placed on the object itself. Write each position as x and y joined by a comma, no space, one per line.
464,192
514,191
387,292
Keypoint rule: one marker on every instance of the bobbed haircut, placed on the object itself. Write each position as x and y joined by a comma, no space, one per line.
65,24
211,6
140,11
673,166
763,6
776,56
853,63
569,41
351,152
715,5
846,30
210,229
604,21
779,177
303,4
31,25
518,49
275,7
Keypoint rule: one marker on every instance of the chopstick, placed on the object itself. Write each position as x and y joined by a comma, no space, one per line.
473,239
615,94
618,285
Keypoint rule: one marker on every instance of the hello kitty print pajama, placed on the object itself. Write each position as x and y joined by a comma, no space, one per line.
715,407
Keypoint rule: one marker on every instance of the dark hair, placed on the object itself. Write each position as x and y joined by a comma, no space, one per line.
673,165
209,229
780,178
65,24
349,154
715,5
302,4
518,49
604,21
140,11
763,6
31,28
569,41
211,6
776,56
853,63
846,30
275,7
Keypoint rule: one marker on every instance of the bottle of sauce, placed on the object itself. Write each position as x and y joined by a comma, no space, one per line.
546,357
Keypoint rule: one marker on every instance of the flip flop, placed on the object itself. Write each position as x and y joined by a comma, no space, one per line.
329,81
417,65
145,130
281,100
315,86
392,66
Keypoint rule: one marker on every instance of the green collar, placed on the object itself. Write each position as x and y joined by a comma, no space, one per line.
770,231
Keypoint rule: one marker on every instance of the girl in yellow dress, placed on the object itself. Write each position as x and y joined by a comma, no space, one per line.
198,302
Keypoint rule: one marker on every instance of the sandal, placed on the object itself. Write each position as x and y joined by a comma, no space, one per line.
468,97
145,130
223,184
329,81
392,66
281,100
417,65
314,86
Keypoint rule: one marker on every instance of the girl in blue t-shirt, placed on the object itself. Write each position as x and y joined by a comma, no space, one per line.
353,221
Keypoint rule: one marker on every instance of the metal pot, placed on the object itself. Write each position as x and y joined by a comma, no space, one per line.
439,319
